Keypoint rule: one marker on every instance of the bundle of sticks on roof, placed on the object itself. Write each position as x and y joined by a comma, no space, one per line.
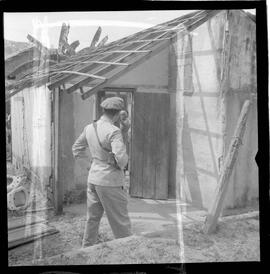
48,57
65,49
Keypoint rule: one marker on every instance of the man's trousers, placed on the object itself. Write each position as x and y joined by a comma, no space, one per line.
112,200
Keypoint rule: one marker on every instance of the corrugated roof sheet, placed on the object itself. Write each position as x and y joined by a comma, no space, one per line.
95,70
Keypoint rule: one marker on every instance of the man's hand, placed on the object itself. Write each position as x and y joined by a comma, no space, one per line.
124,121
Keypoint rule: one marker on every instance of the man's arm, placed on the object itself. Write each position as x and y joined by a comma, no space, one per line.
80,146
119,148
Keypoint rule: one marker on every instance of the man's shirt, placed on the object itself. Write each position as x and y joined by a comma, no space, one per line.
101,172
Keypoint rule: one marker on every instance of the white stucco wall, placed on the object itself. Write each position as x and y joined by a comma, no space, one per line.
152,72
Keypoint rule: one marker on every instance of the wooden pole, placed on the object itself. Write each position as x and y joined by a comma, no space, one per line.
38,44
214,212
58,193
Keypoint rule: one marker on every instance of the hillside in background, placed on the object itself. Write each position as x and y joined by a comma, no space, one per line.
12,47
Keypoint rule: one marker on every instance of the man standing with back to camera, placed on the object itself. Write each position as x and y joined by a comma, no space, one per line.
105,182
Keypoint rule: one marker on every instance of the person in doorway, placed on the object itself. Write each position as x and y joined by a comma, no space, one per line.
106,177
125,130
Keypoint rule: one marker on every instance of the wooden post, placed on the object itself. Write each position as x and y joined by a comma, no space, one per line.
38,44
214,212
58,191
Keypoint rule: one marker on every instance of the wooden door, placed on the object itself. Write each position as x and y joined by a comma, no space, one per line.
150,146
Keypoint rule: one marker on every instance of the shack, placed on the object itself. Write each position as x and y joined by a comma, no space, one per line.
184,83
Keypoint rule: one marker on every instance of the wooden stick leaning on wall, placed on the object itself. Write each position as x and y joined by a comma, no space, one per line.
217,206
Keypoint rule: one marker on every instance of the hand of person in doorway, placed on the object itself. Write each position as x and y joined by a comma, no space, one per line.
124,121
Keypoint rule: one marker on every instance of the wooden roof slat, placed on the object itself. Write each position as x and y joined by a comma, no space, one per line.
169,30
83,82
73,64
128,51
139,46
143,40
148,40
87,80
198,22
64,79
115,44
79,67
25,66
112,63
108,63
81,74
79,85
178,21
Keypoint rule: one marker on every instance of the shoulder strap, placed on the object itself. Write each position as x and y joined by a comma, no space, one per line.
95,127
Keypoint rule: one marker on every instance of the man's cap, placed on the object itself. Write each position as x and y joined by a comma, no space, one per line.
113,103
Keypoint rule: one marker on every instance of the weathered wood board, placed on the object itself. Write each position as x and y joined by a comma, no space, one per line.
29,233
24,221
150,146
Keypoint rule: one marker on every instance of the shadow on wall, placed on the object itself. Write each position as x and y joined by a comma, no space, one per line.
200,144
190,171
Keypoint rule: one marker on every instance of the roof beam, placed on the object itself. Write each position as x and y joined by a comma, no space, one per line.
147,40
42,48
25,66
128,51
198,22
87,80
111,63
81,74
105,63
79,85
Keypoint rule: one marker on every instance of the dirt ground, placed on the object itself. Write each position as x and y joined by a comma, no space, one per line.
235,240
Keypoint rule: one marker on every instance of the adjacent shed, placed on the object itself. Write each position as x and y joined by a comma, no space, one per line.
183,81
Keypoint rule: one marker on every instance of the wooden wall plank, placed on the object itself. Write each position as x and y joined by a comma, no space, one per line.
24,221
136,172
28,119
18,125
149,151
13,127
150,144
162,146
58,187
28,234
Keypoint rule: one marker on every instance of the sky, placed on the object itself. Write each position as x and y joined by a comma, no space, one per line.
117,24
83,25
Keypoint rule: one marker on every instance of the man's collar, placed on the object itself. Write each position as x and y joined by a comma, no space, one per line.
106,119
